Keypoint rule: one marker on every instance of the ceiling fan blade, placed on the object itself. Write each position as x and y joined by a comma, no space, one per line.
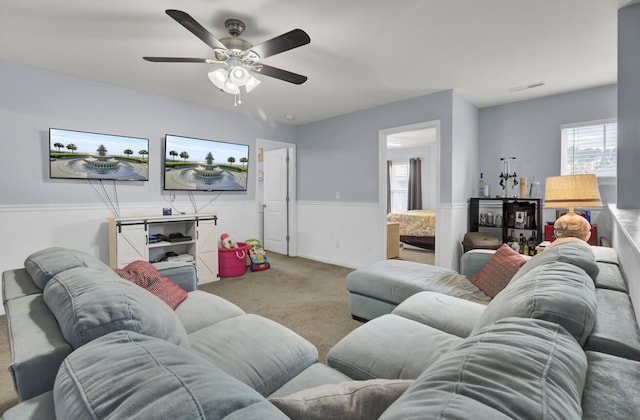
195,28
177,60
285,75
285,42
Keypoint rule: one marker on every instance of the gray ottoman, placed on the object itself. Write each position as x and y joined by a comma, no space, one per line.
377,289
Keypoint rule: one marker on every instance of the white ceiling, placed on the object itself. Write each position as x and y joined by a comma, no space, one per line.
363,53
410,139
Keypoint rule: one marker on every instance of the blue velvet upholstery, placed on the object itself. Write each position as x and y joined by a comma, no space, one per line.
90,303
577,253
125,375
44,264
517,368
258,351
556,291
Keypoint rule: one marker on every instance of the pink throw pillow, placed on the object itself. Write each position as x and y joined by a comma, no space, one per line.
145,275
498,271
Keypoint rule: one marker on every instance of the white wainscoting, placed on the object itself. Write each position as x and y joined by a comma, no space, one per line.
27,229
340,233
346,234
451,225
625,239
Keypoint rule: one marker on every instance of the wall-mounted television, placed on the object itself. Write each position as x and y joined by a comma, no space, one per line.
84,155
192,164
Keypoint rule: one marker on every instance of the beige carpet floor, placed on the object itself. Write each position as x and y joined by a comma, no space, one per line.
307,296
417,255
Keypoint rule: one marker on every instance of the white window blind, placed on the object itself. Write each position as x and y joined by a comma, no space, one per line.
590,148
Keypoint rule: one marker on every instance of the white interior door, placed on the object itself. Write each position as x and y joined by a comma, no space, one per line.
276,193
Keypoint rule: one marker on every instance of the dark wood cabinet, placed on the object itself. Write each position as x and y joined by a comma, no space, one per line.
520,215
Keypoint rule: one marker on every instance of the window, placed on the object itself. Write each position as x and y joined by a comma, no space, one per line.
590,148
399,186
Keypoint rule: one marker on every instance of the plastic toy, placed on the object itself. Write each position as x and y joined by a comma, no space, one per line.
257,255
227,241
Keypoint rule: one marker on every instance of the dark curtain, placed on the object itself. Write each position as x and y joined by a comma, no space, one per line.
388,186
415,184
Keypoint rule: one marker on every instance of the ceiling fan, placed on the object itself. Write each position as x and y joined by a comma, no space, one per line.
239,57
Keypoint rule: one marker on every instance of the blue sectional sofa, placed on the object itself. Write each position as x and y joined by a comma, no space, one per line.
566,310
560,341
82,337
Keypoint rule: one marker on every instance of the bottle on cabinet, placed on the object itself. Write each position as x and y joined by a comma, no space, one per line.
521,242
532,243
512,241
483,187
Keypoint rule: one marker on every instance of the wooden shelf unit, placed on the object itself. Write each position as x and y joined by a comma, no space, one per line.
501,204
129,241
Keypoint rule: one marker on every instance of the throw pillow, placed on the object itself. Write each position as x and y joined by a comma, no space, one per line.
498,271
145,275
347,400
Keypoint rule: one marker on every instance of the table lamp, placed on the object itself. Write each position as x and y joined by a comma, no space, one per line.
569,191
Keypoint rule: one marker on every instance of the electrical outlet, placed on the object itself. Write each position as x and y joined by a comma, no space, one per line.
337,195
337,244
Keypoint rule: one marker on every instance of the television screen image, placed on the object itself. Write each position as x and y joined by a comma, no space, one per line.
84,155
192,164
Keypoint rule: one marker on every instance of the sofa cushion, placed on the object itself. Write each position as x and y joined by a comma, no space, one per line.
353,400
557,291
149,378
390,347
46,263
516,368
145,275
315,375
605,254
577,253
89,303
610,277
616,330
446,313
611,390
39,407
498,271
258,351
202,309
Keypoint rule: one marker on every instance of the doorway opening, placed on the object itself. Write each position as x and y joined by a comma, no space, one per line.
276,196
397,146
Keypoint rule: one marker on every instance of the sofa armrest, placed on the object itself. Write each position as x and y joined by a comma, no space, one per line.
37,345
473,260
183,274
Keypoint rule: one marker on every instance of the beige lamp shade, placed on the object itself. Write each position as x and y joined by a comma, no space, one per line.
569,191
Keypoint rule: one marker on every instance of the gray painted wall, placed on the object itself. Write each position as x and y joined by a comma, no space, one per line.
628,107
463,167
341,153
337,154
530,131
33,100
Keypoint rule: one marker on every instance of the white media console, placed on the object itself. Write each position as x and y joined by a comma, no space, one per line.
129,240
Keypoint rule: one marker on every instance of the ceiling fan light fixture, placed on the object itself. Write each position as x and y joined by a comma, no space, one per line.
239,75
218,77
252,83
231,88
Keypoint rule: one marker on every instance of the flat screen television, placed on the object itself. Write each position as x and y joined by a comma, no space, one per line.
192,164
83,155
